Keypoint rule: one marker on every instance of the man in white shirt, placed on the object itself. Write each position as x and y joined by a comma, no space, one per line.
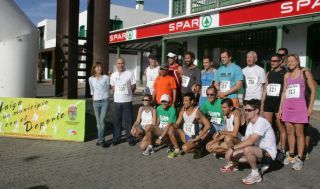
255,78
123,84
151,72
259,144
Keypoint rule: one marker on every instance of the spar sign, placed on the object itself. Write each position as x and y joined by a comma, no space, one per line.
176,26
49,119
249,14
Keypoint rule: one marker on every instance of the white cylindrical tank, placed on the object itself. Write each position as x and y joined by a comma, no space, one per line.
19,45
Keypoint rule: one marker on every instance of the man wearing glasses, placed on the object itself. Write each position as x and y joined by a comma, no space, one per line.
283,52
164,84
259,144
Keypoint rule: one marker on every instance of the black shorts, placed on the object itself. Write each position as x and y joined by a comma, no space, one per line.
271,105
266,158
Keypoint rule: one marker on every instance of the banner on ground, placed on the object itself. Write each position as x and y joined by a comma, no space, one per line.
50,119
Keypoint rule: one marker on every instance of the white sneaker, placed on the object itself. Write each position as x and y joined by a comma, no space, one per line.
148,151
251,179
289,160
298,164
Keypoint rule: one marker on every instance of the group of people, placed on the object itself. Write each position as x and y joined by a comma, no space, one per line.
199,112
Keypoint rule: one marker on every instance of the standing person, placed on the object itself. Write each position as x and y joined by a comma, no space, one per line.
151,72
166,117
294,110
283,52
146,118
272,97
123,84
191,74
229,78
258,145
164,84
229,136
207,78
192,134
175,70
99,87
254,76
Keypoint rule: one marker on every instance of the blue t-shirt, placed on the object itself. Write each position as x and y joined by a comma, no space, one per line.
206,81
228,76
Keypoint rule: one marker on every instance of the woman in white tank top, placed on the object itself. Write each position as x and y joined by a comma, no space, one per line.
145,120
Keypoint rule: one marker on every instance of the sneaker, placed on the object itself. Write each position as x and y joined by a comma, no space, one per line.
307,156
174,154
263,168
229,168
170,148
148,151
298,164
288,160
251,179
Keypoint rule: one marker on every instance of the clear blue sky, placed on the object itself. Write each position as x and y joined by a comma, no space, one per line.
38,10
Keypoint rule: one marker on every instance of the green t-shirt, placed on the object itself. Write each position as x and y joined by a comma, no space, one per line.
166,116
213,111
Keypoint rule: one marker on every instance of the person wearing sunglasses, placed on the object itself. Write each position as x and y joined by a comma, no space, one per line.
191,128
230,135
258,145
166,117
143,124
271,99
283,52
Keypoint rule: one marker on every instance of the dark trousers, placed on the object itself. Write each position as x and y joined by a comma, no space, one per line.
120,109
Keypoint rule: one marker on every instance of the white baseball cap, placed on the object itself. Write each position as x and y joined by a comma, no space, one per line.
171,55
165,97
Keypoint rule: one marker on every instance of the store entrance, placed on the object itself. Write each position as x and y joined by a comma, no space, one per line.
263,41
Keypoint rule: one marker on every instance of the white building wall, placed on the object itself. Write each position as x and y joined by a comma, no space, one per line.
49,32
296,41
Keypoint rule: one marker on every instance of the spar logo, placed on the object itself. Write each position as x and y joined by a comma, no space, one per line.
206,21
297,6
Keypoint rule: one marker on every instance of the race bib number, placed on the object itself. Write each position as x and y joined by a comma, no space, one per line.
216,120
188,129
121,89
224,86
163,125
251,81
273,89
204,91
293,91
185,81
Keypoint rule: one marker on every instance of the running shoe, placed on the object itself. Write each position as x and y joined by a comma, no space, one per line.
174,154
298,164
288,160
251,179
229,168
148,151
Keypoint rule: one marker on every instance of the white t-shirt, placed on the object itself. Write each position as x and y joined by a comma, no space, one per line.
267,139
99,88
151,75
255,77
122,81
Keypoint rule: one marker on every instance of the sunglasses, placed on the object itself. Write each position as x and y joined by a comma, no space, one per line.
211,94
249,110
145,100
275,60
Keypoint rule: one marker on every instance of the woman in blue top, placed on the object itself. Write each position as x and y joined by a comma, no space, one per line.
207,78
99,87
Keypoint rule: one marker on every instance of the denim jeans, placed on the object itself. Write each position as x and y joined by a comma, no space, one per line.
100,110
120,109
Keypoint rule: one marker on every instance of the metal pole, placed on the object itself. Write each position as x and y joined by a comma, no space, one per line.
163,51
279,37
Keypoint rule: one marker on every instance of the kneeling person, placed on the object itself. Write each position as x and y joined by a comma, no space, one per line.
259,144
229,136
166,117
192,133
145,120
